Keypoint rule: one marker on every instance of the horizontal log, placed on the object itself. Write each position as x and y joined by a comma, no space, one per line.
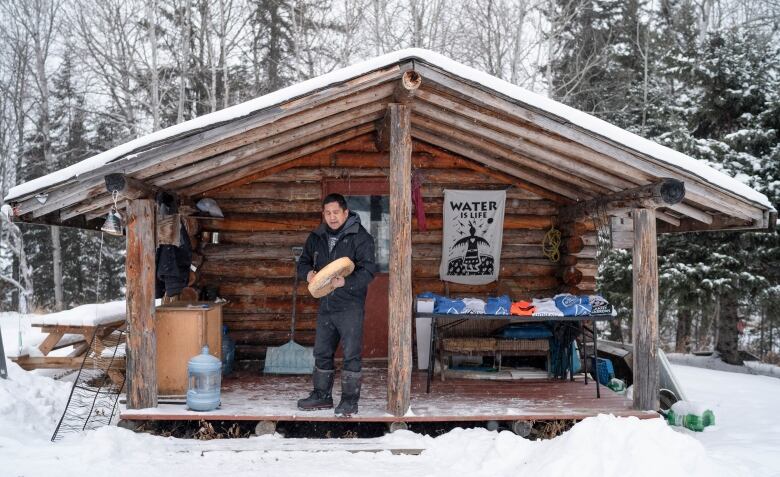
510,236
570,275
266,238
248,304
269,206
428,176
261,288
271,338
588,267
587,252
286,222
504,286
510,268
437,190
58,362
275,268
430,251
273,190
662,193
220,252
590,239
511,221
271,270
434,205
255,224
568,260
291,191
270,322
257,352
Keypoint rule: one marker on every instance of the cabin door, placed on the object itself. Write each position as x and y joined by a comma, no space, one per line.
370,200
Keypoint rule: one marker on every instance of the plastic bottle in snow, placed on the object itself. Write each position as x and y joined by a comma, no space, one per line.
617,385
690,415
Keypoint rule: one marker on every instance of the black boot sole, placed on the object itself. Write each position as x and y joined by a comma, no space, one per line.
346,414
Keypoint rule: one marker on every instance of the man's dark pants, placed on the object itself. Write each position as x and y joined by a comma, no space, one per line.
344,325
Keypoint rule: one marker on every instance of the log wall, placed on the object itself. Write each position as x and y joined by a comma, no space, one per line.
253,265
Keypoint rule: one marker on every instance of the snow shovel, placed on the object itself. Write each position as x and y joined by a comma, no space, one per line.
290,358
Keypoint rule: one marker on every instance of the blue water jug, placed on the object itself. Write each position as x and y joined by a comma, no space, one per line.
228,352
204,377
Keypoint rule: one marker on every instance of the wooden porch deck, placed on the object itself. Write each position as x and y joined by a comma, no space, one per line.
272,398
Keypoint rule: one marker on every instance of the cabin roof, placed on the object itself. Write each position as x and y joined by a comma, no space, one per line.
567,154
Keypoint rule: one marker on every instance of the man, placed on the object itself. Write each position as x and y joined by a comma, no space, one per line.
341,312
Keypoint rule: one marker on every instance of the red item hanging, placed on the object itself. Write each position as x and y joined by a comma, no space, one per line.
418,207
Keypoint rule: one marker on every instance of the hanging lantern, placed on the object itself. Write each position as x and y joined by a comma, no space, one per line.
113,223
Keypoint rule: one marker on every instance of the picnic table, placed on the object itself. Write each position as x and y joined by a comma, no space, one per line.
77,327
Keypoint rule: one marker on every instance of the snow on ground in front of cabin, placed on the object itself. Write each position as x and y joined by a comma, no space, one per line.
747,431
744,442
714,362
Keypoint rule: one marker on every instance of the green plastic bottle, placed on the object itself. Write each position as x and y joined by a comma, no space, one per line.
691,416
617,385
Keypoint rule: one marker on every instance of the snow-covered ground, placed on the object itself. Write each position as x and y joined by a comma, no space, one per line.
745,442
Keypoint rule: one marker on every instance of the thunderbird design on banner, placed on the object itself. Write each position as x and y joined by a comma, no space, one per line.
473,230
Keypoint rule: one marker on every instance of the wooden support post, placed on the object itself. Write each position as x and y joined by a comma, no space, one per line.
645,326
399,379
403,94
141,338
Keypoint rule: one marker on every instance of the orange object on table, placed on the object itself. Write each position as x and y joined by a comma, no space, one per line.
523,308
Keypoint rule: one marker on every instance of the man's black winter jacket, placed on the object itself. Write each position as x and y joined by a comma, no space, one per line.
354,242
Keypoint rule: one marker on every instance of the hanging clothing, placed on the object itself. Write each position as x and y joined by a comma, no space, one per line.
417,202
173,265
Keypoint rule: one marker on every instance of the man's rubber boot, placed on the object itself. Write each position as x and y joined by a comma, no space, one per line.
350,394
321,397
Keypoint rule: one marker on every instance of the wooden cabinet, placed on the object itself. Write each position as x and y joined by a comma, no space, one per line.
182,330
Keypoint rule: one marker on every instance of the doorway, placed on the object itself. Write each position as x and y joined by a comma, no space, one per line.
370,200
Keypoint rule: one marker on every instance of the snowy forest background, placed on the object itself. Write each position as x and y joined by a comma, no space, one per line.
700,76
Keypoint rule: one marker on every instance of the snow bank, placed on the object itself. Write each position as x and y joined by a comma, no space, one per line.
601,446
743,443
565,113
746,435
30,407
714,362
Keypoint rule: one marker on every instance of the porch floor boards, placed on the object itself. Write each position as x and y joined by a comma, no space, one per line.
272,398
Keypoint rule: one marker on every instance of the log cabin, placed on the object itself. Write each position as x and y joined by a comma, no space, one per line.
371,131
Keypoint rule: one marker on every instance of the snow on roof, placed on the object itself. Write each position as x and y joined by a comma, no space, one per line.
568,114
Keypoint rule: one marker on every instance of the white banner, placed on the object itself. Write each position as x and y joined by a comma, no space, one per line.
473,230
